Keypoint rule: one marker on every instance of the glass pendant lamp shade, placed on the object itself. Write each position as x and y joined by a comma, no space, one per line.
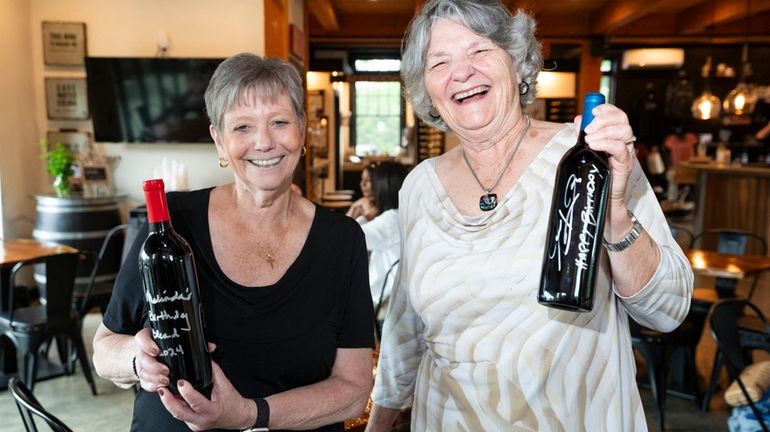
706,106
743,97
741,100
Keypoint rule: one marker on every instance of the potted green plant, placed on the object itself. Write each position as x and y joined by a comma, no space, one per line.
59,162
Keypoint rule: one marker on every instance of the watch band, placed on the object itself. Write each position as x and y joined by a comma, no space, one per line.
629,239
263,416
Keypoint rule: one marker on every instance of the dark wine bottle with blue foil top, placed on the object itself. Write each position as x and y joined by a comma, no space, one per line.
576,224
171,292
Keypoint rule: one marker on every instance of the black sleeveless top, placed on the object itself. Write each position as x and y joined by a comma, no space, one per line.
269,339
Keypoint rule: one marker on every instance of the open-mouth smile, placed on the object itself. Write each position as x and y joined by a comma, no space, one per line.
265,163
468,94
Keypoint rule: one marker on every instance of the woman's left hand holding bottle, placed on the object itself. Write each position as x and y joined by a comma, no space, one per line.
611,132
227,408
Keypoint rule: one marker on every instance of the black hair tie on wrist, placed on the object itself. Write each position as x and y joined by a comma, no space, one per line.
133,366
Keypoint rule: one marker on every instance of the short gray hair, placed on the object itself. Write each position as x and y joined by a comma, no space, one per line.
244,72
488,18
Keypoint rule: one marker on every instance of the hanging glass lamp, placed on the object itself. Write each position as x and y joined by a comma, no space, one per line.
742,99
707,105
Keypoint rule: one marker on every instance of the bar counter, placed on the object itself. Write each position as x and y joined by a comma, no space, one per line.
732,196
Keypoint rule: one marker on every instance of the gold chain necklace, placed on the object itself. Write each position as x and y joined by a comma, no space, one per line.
270,256
488,201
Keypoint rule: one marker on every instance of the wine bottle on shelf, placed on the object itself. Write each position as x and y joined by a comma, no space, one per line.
173,300
576,224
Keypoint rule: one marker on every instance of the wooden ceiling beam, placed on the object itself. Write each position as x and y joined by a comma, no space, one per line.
618,13
549,25
367,26
699,18
324,13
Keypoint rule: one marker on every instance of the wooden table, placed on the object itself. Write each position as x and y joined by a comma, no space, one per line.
14,251
717,264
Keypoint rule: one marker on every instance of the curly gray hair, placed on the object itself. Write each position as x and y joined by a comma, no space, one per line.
487,18
241,73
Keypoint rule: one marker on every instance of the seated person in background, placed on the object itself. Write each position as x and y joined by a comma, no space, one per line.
382,239
364,209
681,146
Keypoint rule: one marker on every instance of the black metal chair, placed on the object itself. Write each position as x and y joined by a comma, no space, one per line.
734,242
98,292
29,407
29,328
724,320
658,350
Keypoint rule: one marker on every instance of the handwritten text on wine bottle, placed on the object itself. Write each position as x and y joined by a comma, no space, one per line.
165,315
563,235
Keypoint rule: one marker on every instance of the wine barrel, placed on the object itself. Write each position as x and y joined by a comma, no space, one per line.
82,223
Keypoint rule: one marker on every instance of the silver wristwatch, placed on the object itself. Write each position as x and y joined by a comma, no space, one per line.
629,239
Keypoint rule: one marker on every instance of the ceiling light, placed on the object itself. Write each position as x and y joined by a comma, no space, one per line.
706,106
653,58
743,97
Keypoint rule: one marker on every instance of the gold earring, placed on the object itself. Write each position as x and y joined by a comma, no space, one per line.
304,151
223,163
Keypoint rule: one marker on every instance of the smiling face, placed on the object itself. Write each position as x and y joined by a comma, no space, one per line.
470,79
262,140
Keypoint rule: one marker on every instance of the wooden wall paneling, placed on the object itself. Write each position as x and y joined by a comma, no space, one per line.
277,29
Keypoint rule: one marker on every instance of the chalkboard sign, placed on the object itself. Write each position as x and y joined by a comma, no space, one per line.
95,173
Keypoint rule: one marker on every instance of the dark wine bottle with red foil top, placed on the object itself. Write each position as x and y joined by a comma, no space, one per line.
576,224
173,300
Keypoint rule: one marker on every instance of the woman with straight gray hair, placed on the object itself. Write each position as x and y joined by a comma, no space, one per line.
283,282
465,342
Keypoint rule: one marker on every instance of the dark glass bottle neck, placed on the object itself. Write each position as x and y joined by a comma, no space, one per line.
581,141
161,226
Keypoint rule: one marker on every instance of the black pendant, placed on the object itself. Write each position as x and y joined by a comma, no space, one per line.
488,202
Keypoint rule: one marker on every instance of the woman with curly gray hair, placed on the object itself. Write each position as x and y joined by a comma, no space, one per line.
465,343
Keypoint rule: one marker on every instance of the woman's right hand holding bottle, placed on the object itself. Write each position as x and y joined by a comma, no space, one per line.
152,373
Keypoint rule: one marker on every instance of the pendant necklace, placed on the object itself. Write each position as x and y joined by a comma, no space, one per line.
488,201
269,254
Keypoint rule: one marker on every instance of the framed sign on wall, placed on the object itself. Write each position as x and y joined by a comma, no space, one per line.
75,140
66,98
64,43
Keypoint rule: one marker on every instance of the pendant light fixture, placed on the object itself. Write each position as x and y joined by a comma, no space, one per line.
706,106
741,99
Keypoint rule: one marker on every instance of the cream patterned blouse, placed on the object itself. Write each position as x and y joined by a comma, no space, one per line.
467,345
